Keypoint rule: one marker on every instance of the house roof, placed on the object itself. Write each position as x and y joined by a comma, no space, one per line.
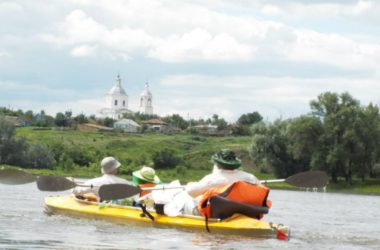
154,122
127,121
205,126
95,126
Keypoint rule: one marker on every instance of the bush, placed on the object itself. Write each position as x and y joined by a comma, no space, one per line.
66,163
199,138
79,157
121,144
165,158
180,170
39,156
142,160
12,150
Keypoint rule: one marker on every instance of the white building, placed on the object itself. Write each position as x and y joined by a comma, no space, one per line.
117,102
146,99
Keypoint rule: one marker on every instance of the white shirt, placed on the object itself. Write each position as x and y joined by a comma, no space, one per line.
219,178
97,182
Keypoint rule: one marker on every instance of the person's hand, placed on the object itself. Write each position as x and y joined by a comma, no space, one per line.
70,178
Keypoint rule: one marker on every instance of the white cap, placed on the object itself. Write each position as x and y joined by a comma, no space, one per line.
109,164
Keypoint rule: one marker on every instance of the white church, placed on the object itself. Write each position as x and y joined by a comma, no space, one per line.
117,102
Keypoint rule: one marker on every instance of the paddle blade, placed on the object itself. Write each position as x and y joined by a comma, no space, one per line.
117,191
15,177
308,179
54,183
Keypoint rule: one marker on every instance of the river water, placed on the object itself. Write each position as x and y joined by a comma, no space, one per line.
318,221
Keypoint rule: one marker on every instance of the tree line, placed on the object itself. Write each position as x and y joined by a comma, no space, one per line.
66,119
338,136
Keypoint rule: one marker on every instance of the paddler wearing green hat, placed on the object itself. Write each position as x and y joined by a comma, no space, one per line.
146,175
226,171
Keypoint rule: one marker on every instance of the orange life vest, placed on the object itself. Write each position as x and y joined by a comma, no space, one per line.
146,185
242,192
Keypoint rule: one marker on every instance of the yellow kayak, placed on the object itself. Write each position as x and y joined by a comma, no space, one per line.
239,224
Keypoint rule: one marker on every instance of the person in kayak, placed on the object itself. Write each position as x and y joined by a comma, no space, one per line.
227,190
109,168
225,172
146,175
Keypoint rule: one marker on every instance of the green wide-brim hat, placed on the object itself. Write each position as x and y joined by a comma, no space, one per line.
147,174
226,159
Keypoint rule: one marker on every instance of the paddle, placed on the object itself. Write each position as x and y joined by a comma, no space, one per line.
308,179
44,182
15,177
55,183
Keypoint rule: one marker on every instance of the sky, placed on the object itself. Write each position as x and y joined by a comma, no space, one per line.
200,57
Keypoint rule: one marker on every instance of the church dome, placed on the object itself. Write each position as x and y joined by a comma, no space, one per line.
146,91
117,89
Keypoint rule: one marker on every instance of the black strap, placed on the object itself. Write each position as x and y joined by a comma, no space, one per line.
145,212
206,222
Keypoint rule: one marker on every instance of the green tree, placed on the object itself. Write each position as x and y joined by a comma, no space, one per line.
176,120
39,156
250,118
368,132
165,158
12,149
269,148
340,143
139,117
304,134
60,119
81,118
219,122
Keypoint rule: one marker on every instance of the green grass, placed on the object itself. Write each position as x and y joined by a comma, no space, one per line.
368,186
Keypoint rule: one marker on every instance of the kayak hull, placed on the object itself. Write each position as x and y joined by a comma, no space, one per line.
237,224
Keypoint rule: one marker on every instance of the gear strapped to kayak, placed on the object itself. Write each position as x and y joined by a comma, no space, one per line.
240,197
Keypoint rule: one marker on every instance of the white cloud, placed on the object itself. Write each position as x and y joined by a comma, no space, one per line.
35,98
83,51
271,96
211,37
4,55
199,44
11,8
334,49
362,10
85,106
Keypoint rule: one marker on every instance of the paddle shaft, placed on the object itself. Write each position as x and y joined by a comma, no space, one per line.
272,181
184,186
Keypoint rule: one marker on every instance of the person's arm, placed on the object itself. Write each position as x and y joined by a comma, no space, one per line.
195,189
253,179
82,190
90,186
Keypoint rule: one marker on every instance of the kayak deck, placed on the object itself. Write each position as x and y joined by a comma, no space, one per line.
69,205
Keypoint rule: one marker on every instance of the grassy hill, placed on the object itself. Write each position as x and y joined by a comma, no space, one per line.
134,150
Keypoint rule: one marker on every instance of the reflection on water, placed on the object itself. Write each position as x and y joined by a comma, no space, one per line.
318,221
